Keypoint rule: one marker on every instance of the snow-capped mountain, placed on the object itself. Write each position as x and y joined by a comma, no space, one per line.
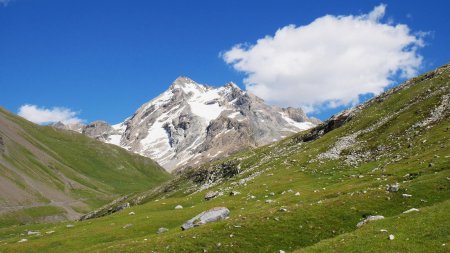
191,123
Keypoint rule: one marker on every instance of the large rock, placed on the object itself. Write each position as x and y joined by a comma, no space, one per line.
214,214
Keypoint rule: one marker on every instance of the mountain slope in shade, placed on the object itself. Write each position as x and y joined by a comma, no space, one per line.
191,123
47,174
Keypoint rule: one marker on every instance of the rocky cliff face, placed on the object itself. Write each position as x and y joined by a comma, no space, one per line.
191,123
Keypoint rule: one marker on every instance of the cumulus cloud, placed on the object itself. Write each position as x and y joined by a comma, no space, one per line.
42,115
329,62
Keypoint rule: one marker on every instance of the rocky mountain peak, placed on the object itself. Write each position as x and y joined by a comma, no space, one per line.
181,80
192,123
77,127
186,84
232,85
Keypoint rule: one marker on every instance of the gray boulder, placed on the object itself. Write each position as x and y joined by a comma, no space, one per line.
369,218
33,233
393,187
162,230
211,195
214,214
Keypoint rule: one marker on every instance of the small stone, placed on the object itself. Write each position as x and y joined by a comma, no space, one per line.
393,187
70,226
234,193
231,236
268,201
162,230
283,209
411,210
391,237
297,194
127,226
383,230
50,232
281,251
23,240
34,233
179,207
272,194
404,195
131,213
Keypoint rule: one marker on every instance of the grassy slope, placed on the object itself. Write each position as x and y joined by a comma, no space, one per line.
98,172
334,194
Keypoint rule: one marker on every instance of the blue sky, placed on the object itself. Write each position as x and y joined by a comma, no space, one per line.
102,59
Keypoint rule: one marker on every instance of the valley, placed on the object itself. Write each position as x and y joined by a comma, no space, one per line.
387,157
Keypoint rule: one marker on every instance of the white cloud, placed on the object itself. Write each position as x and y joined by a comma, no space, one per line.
328,62
41,115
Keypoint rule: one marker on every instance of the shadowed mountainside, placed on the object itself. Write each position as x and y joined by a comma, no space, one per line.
47,174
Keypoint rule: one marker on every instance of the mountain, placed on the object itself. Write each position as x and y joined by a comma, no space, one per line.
374,178
191,123
47,174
